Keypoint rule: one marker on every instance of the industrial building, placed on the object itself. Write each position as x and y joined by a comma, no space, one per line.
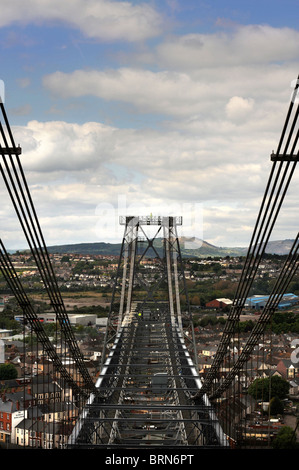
258,302
75,319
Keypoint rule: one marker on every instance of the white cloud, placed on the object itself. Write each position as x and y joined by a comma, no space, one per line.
77,171
178,94
239,108
100,19
83,176
159,92
249,44
61,146
225,97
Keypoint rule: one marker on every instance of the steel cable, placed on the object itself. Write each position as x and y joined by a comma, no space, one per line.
14,283
267,216
21,198
287,273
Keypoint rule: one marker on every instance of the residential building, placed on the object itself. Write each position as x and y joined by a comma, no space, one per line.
288,369
11,412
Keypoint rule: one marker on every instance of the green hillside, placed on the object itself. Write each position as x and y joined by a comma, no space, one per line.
189,248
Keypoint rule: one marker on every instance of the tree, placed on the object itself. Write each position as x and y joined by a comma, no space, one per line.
261,388
195,300
8,371
285,439
279,387
276,406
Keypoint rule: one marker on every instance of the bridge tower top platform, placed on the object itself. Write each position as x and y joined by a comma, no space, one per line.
151,220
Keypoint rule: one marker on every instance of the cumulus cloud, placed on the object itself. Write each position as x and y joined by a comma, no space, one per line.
100,19
160,92
61,146
221,100
245,44
178,94
239,108
82,177
93,171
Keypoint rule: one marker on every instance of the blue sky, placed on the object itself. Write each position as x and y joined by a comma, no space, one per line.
163,106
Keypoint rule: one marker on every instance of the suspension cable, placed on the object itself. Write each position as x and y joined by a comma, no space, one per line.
282,170
287,273
19,193
14,283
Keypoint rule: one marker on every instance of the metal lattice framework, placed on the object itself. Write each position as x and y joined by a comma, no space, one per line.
166,283
149,375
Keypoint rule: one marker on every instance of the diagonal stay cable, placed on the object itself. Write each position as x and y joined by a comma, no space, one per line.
18,190
14,283
287,273
254,245
258,244
279,180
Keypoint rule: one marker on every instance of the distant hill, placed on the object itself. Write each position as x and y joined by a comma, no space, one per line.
98,248
189,247
201,249
279,247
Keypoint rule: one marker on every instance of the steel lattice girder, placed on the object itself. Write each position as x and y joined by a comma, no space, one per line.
115,422
148,378
168,276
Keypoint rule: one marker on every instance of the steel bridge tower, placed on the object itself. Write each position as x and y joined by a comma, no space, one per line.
149,373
